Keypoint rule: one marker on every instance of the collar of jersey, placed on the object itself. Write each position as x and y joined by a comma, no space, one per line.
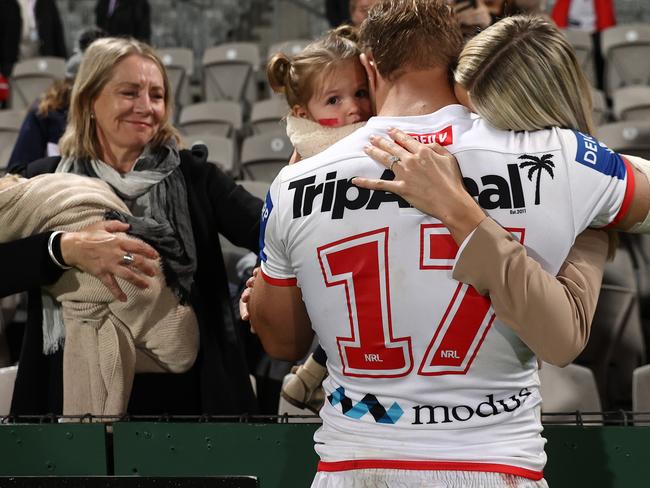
442,116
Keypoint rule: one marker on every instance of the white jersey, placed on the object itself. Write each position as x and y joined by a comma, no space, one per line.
422,376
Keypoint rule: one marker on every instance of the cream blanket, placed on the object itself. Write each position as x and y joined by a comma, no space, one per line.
310,138
107,341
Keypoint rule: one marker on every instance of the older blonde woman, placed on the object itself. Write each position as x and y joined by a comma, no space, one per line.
120,131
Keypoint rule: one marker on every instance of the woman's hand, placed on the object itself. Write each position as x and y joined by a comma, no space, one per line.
428,177
99,251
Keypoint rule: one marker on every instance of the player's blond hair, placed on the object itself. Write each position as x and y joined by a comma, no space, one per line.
522,74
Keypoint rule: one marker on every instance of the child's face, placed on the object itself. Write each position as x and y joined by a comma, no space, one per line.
343,97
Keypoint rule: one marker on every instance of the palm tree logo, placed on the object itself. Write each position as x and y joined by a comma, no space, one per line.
536,166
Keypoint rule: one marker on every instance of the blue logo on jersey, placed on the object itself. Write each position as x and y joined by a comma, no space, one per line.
368,404
596,155
266,212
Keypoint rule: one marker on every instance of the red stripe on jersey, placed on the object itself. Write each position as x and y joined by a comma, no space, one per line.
428,466
627,199
279,281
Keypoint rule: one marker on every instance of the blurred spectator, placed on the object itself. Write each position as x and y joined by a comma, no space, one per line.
337,12
9,35
359,10
592,16
45,121
473,15
125,18
42,30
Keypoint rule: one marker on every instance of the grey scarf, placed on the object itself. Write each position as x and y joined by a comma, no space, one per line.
156,194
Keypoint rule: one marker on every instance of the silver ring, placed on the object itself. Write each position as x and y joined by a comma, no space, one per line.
128,259
393,161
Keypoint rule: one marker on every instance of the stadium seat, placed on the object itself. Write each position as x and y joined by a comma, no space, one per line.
179,63
290,48
626,49
632,137
229,72
221,151
632,103
641,394
7,380
584,48
268,115
568,389
32,77
223,118
264,155
600,112
10,122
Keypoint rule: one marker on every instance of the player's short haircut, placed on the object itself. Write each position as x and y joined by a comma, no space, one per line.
411,35
522,74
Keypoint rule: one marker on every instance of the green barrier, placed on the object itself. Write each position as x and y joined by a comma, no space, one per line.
53,450
599,457
280,455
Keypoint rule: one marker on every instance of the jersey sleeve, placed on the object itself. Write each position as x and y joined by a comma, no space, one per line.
601,181
276,268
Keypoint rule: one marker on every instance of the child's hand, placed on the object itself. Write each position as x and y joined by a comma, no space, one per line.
246,296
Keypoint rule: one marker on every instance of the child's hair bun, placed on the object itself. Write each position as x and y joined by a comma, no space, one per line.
346,31
277,72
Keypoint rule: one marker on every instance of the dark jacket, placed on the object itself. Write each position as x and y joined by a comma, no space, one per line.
35,133
131,18
10,30
50,29
218,383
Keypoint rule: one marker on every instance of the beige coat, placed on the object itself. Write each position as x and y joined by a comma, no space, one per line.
107,341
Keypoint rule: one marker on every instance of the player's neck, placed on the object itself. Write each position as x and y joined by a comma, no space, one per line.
415,93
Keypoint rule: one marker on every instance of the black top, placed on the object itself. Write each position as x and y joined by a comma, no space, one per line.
10,31
131,18
218,383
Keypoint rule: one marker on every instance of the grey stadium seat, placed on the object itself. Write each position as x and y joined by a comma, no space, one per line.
221,150
264,155
179,62
632,137
32,77
268,115
290,48
223,118
10,122
256,188
632,103
626,50
568,389
641,394
229,72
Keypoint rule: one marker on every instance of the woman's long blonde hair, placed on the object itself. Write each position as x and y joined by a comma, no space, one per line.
80,137
522,74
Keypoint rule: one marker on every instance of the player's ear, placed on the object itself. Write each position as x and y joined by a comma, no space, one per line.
300,112
368,63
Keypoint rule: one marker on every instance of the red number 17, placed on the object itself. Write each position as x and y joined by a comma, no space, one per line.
360,264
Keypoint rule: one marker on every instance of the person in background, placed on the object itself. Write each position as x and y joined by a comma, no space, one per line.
359,11
42,29
46,120
9,44
592,16
337,12
119,130
125,18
